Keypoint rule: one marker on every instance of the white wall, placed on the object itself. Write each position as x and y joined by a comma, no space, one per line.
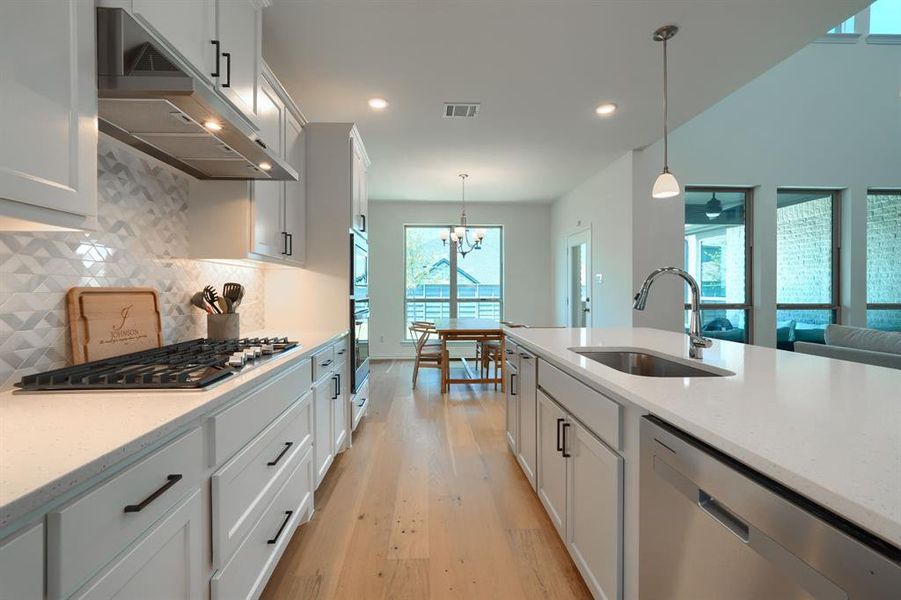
829,116
527,268
604,204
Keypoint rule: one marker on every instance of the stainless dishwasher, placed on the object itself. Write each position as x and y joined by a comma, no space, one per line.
713,529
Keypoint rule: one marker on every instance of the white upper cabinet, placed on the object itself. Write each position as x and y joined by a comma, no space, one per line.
271,117
48,112
359,187
268,207
295,191
239,30
188,25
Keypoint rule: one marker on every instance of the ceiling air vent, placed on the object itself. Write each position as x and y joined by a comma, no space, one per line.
465,110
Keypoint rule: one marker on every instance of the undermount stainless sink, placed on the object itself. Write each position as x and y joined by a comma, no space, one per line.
635,362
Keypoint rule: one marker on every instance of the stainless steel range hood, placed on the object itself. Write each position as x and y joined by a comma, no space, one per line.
151,101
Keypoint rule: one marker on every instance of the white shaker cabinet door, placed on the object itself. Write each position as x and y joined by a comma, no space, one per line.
323,414
594,517
528,406
22,566
551,462
295,191
166,562
268,211
340,410
189,26
48,105
239,31
512,409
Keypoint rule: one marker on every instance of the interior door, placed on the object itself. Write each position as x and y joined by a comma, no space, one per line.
595,512
578,275
239,29
528,429
295,191
551,463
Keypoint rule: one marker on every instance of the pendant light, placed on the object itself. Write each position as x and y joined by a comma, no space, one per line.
460,234
713,208
666,185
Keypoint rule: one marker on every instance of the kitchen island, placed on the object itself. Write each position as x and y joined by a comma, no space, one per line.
828,430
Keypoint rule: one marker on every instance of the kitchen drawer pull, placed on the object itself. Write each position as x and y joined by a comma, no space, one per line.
278,533
261,143
285,251
216,72
525,356
290,244
723,516
284,451
512,386
338,375
228,69
559,447
170,481
335,380
326,363
563,445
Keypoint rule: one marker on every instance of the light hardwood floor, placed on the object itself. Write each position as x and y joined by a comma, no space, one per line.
429,503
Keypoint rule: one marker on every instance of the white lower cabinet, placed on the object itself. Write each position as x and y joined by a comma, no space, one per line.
323,431
512,404
340,421
165,562
22,566
246,573
594,516
580,484
551,463
527,388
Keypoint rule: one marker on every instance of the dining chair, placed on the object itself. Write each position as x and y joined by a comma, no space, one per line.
428,354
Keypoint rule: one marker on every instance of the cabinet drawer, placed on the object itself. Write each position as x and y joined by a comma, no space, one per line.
245,485
512,354
600,414
86,534
341,351
322,363
232,428
22,566
246,573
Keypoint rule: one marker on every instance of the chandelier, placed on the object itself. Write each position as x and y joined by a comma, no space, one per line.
460,235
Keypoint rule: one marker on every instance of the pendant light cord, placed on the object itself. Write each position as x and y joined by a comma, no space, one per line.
665,114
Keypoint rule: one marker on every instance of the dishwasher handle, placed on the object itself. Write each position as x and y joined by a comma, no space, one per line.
724,516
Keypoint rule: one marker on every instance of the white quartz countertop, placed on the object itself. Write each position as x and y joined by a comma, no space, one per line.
828,429
52,442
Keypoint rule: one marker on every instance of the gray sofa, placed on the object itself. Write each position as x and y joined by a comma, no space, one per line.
857,344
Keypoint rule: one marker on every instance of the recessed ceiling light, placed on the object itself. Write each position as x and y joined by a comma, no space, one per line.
212,125
265,166
606,109
378,103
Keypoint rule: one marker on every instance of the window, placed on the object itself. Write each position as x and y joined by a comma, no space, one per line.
807,259
885,17
843,27
884,260
442,284
717,253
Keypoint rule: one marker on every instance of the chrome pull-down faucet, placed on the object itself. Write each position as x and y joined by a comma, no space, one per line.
697,341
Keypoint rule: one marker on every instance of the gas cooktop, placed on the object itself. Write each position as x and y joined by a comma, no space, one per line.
196,364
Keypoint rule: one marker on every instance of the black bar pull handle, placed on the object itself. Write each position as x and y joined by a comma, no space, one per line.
559,447
216,72
285,234
228,69
362,222
290,244
170,481
512,382
338,375
281,454
326,363
563,449
335,379
278,533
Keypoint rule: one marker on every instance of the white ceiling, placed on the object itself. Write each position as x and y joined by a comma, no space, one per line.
539,68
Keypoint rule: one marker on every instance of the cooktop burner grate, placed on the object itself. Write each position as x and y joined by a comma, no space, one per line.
195,364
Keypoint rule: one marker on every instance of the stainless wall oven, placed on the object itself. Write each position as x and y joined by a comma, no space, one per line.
359,310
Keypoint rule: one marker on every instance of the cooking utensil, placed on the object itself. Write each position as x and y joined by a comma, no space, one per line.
210,295
198,301
234,292
225,305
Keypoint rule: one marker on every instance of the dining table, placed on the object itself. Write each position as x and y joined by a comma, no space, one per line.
480,331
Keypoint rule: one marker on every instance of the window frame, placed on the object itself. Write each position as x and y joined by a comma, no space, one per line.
453,256
836,305
880,305
748,305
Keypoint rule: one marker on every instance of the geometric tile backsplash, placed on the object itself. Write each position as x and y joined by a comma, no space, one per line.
142,239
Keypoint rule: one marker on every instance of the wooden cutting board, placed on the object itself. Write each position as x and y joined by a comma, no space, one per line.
106,322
